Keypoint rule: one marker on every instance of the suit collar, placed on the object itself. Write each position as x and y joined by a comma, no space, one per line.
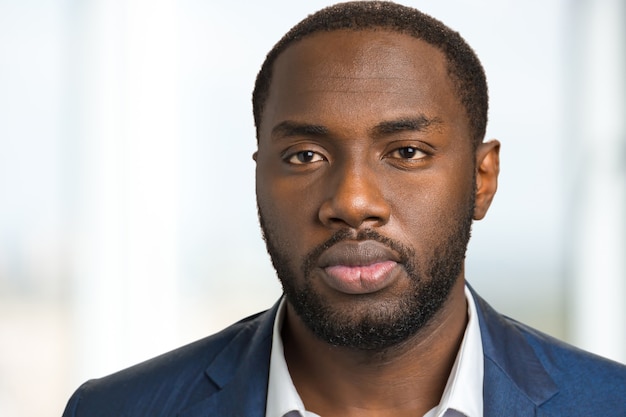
240,372
515,382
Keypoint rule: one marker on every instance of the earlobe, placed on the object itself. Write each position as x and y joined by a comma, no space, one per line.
487,171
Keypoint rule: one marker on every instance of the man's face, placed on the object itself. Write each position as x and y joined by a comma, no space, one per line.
365,184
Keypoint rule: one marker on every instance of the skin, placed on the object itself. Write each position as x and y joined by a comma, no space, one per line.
327,161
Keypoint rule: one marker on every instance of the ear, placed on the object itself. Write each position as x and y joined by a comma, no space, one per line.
487,170
254,155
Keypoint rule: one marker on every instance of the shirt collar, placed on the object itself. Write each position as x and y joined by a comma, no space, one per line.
464,389
282,396
463,392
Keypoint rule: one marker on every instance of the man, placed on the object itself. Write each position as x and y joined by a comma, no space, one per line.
371,167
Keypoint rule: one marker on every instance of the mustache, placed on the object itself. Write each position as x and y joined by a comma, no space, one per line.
405,253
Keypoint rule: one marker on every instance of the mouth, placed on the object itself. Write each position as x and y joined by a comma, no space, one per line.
361,267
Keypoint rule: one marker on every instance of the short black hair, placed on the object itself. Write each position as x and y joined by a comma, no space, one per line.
464,67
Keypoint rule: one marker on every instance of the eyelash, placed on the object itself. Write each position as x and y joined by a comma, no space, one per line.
415,151
297,155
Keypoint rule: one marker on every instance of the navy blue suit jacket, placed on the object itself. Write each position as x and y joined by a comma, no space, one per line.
527,373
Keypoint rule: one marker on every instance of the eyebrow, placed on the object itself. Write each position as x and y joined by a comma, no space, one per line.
419,123
291,128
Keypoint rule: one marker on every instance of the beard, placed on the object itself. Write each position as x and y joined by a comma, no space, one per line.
374,325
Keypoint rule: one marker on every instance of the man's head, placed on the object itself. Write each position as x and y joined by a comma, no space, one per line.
370,170
464,67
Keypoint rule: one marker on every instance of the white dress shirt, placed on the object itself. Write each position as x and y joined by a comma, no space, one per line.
462,396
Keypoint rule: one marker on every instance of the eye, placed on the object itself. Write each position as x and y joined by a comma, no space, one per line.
304,157
407,152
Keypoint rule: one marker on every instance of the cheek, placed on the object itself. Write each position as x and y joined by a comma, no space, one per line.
429,209
287,212
282,199
419,215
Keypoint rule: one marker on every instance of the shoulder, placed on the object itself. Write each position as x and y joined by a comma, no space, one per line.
572,368
166,384
553,375
587,384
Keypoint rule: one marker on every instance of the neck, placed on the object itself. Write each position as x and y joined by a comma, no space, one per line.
407,379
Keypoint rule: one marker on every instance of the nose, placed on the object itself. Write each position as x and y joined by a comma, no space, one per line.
355,199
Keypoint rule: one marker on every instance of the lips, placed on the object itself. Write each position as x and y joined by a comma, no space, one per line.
359,267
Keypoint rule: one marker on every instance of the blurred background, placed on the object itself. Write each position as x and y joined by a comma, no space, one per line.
127,211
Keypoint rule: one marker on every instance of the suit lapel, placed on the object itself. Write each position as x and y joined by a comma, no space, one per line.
240,373
515,381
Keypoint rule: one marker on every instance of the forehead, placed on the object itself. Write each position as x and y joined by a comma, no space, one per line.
354,49
376,71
